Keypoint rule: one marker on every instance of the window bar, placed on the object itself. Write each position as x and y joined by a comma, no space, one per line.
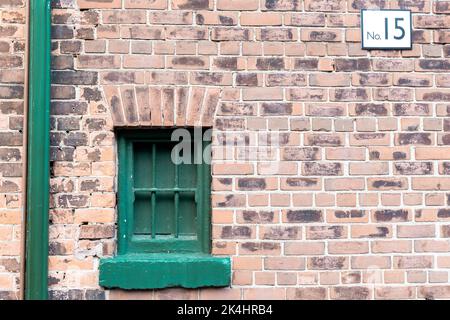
153,196
177,200
164,190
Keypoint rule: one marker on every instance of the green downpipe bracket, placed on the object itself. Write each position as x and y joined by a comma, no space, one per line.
38,150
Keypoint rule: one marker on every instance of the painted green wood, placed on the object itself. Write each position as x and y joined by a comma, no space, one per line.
165,270
37,206
163,207
205,219
125,225
171,245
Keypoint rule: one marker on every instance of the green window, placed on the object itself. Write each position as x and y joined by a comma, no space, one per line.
164,228
164,207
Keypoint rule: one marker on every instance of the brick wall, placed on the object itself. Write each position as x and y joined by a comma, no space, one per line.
352,201
12,47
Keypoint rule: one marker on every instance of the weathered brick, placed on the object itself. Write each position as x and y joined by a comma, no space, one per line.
393,65
279,34
96,231
391,215
412,109
412,80
362,140
328,263
191,4
300,184
306,19
371,231
346,65
350,293
413,168
321,36
369,109
322,169
369,139
281,233
98,62
413,262
387,183
306,64
310,293
349,94
74,77
304,216
231,34
329,80
376,168
414,138
413,231
324,5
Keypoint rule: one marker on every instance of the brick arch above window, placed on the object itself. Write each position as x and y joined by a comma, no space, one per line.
142,105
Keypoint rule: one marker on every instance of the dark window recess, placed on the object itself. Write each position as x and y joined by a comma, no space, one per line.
164,207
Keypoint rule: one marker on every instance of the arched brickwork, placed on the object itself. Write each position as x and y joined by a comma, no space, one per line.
142,105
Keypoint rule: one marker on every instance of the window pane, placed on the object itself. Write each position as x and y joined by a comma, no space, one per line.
187,174
187,215
187,208
162,196
165,168
142,165
142,215
165,214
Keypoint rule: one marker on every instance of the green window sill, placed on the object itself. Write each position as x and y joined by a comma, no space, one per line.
157,271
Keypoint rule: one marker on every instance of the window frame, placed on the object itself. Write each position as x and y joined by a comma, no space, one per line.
127,242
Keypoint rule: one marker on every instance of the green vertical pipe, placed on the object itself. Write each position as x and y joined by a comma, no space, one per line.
36,265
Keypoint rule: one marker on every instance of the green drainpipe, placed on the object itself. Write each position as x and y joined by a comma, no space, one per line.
38,151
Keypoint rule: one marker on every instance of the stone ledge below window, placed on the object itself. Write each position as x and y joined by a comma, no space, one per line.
157,271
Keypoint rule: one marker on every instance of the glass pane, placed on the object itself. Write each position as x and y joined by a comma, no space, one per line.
142,215
165,214
161,175
187,215
142,165
165,168
187,175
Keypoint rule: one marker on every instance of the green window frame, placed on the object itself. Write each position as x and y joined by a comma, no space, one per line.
164,225
163,207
